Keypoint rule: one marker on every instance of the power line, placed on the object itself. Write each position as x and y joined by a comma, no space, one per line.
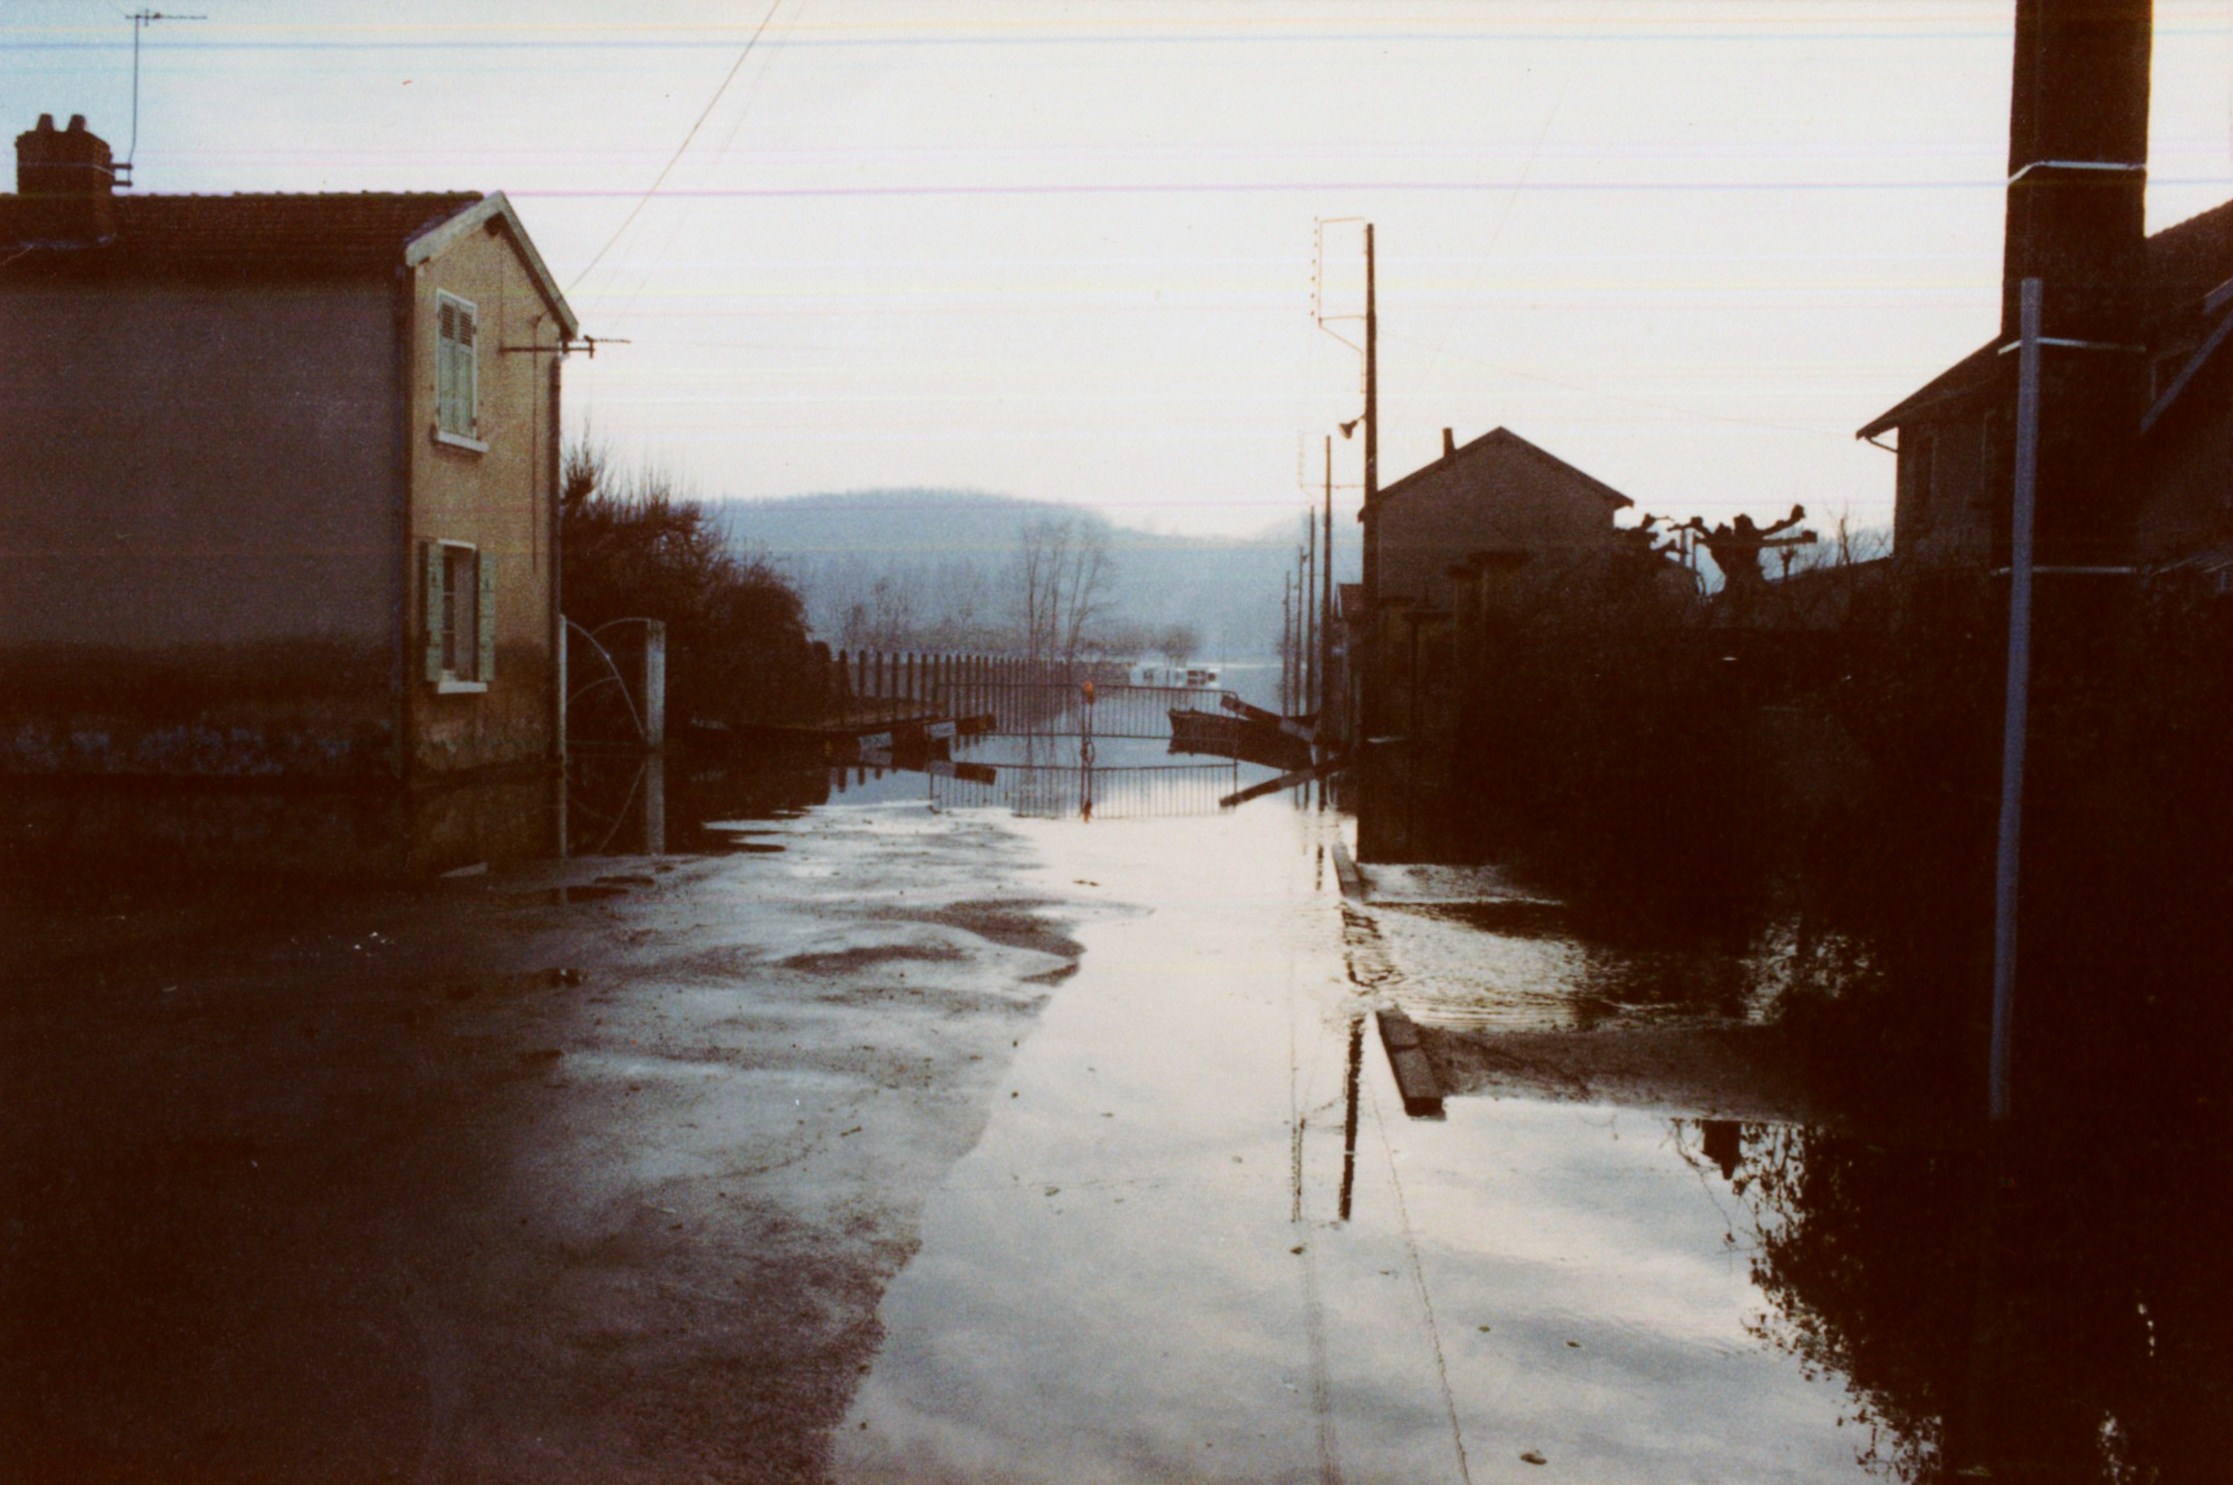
675,158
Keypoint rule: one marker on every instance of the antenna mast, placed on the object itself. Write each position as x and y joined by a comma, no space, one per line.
141,20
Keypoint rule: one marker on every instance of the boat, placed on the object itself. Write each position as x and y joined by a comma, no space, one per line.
1175,677
1241,731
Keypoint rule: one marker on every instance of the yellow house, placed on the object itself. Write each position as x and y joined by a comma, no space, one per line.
278,518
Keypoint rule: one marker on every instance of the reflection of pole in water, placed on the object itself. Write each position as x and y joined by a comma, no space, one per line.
1085,755
1349,1081
655,805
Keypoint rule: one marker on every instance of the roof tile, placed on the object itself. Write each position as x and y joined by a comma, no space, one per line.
264,235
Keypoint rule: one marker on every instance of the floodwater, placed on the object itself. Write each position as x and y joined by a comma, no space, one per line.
1199,1239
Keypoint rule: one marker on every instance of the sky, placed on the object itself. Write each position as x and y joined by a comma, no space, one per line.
1079,251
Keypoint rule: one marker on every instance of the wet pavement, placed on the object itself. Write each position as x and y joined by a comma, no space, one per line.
1199,1239
886,1131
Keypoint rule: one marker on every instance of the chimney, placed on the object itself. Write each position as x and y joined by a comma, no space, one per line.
1449,444
2077,178
66,177
2077,164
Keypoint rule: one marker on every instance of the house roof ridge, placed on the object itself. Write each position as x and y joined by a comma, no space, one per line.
1500,434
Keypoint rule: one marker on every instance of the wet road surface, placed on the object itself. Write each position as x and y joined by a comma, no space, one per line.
1142,1271
901,1138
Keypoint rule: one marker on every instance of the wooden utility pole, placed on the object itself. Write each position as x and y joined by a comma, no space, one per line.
1371,511
1306,623
1370,514
1287,639
1326,588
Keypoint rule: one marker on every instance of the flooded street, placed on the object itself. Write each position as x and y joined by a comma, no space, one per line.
899,1126
1199,1238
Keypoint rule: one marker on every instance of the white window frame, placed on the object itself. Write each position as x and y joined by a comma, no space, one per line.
439,633
457,373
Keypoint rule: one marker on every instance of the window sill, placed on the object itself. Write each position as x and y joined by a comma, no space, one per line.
450,440
448,687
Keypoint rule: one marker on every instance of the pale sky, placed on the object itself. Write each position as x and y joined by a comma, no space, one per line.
1065,250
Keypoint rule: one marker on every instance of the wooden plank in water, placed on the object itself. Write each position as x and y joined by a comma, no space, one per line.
1345,871
1415,1079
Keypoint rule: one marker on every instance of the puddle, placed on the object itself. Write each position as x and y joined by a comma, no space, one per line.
565,896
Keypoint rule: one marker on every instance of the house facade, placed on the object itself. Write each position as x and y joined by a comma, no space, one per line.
279,515
1954,437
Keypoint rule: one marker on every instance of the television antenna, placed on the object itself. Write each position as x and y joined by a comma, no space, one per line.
141,20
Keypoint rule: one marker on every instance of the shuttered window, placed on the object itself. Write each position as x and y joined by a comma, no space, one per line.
456,366
460,615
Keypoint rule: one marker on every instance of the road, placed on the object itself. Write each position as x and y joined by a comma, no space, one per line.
896,1142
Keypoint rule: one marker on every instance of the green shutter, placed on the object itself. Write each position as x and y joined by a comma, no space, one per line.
445,366
469,387
485,622
433,566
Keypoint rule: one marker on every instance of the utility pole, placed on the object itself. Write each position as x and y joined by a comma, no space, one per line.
1306,626
1372,428
1370,514
1326,585
1361,678
2009,854
1287,639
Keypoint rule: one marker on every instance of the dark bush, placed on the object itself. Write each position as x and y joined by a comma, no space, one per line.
737,647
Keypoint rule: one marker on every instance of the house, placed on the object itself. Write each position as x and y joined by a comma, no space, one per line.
1496,516
1498,504
1498,497
278,518
1955,442
2135,427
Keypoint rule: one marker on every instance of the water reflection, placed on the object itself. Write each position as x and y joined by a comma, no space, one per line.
625,802
2054,1313
629,803
1202,1241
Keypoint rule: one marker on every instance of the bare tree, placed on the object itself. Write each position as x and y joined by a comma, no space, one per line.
1063,571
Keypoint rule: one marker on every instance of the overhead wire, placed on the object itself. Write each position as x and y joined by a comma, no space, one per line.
790,26
675,158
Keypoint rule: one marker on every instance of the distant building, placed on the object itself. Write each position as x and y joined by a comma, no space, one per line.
278,509
1498,498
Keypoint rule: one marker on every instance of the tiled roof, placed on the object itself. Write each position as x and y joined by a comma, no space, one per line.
1505,438
2185,262
2188,260
252,236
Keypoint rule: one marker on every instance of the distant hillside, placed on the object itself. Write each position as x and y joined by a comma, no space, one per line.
950,555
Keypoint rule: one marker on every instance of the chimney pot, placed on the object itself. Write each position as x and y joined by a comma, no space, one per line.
68,176
1449,443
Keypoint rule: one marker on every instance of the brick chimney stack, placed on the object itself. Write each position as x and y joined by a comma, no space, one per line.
67,176
2077,181
2077,164
1449,443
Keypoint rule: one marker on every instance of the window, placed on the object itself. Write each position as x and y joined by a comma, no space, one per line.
456,367
1919,462
460,616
